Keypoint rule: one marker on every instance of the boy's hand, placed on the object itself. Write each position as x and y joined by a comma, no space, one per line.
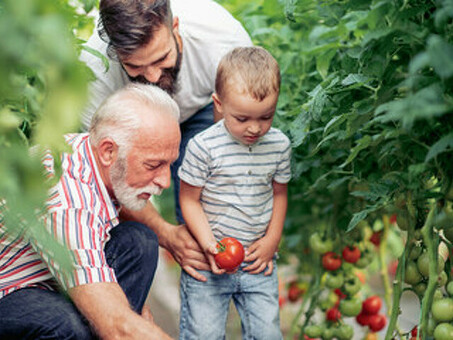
211,251
261,253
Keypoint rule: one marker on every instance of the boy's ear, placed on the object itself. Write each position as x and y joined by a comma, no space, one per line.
218,113
107,151
217,102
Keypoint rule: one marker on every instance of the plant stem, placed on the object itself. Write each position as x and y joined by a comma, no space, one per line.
431,243
383,264
312,296
400,271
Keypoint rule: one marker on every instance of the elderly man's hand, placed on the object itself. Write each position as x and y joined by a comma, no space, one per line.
186,251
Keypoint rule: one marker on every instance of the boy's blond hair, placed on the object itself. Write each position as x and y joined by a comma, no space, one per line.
248,70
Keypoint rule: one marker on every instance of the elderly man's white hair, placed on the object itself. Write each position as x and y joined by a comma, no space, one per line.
118,119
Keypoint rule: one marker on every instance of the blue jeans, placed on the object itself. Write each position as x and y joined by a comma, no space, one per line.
204,305
195,124
35,313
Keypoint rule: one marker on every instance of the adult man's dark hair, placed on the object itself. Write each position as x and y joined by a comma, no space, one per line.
127,25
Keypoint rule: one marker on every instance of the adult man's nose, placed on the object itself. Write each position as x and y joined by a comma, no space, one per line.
163,178
152,74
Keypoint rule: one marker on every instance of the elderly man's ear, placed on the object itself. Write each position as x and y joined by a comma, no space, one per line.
107,152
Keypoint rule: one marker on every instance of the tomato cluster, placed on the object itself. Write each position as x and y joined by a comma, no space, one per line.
343,282
369,314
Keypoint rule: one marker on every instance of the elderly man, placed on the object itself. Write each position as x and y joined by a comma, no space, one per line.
174,44
118,166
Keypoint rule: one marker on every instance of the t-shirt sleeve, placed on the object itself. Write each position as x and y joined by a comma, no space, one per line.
283,173
194,169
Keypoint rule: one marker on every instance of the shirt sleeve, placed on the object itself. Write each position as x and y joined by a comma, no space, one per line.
83,233
194,169
283,173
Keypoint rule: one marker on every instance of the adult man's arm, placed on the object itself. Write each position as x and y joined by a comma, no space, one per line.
106,307
176,239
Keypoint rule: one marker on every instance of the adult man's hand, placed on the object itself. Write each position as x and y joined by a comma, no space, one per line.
106,308
176,239
186,251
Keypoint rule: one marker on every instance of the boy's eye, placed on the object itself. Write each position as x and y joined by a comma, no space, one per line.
241,119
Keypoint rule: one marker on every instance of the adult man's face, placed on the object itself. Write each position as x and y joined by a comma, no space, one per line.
145,169
159,61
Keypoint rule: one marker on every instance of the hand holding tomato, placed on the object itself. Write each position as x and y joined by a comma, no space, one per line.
230,254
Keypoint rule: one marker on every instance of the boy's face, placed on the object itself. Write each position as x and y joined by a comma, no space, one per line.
246,118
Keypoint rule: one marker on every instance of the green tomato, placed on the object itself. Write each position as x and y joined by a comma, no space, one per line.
442,310
423,264
318,245
444,219
328,301
438,295
350,307
443,331
344,332
402,221
442,279
449,288
415,252
334,280
412,276
351,285
328,334
419,288
313,331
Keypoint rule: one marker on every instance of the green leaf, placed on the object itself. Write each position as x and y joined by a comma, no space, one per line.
425,104
362,143
441,56
98,54
445,144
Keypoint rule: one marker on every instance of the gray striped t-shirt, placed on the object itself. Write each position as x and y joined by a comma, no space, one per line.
237,194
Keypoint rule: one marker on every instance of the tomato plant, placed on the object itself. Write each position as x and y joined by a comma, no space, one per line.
230,253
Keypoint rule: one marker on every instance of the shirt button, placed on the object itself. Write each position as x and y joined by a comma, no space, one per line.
249,172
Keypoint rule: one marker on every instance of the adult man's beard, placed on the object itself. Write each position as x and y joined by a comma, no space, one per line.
126,195
167,80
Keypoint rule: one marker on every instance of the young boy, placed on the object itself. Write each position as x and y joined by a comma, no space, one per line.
234,184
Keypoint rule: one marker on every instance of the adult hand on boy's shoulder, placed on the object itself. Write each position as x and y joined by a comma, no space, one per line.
261,253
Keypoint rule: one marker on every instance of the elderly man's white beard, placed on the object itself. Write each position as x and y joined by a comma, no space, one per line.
126,195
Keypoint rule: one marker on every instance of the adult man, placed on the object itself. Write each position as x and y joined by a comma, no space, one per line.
179,53
125,158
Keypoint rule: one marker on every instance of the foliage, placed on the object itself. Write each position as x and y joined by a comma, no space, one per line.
367,101
42,91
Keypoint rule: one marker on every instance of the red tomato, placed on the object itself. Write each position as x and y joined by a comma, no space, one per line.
230,253
339,293
392,219
333,314
377,322
376,238
372,305
294,291
351,254
363,319
331,261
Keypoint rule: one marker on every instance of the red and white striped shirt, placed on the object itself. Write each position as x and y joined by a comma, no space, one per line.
80,214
